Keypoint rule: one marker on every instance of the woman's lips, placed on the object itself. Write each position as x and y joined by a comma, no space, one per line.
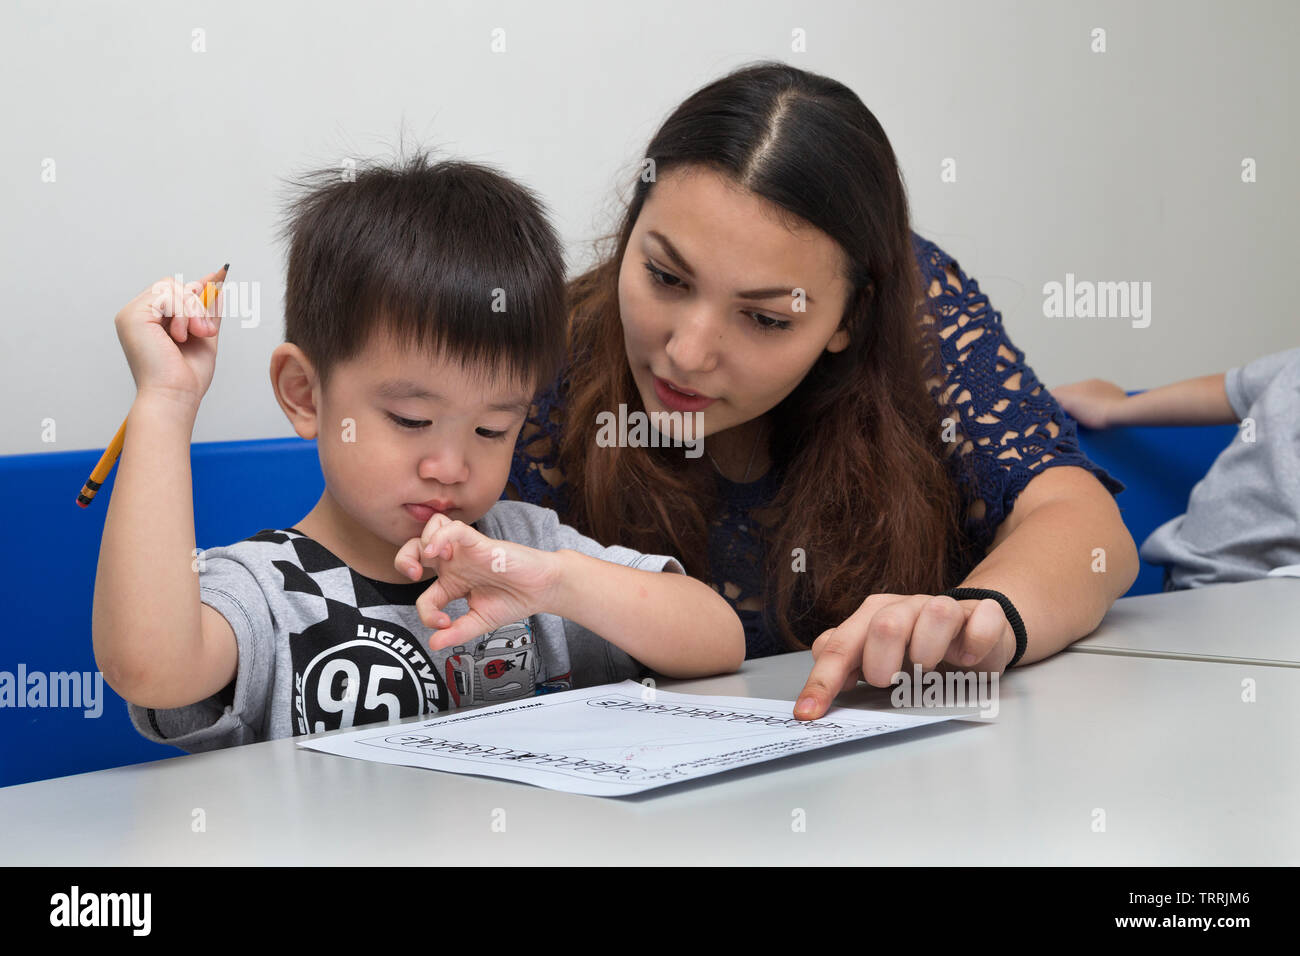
677,400
424,512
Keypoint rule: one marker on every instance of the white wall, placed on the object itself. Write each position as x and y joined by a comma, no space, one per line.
1122,165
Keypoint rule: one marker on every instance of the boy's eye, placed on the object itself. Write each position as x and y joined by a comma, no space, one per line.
663,277
411,423
406,422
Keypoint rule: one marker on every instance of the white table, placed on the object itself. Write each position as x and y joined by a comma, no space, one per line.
1249,622
1185,772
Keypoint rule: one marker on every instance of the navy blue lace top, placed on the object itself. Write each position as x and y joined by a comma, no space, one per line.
1007,413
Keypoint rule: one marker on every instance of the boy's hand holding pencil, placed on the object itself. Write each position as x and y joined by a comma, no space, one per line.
181,369
169,335
501,581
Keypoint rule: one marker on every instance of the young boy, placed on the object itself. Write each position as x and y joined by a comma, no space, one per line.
424,305
1243,517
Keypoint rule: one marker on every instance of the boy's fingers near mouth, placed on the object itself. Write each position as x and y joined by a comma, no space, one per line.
441,543
462,631
432,525
408,561
430,604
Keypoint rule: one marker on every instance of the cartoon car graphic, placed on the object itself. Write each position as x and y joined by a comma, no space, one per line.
502,665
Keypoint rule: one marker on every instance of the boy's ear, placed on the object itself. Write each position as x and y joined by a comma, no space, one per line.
296,388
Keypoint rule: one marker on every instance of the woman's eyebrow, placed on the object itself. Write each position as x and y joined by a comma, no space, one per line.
771,292
776,292
671,252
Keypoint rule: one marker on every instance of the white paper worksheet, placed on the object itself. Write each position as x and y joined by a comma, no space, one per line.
613,740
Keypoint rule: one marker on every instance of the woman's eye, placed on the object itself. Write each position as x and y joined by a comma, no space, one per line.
768,323
765,323
406,422
489,433
663,277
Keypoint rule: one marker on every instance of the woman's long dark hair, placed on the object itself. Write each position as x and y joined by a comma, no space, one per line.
865,492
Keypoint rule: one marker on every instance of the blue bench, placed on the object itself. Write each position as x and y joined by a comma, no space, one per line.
243,487
1159,467
240,488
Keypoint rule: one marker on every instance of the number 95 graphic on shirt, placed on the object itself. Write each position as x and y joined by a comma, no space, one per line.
350,670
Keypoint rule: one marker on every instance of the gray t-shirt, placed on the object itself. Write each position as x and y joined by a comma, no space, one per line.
1243,517
322,647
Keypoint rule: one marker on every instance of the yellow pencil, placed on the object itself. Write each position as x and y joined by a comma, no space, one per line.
109,458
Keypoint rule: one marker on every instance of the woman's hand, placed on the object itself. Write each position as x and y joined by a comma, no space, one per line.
503,582
1092,403
890,632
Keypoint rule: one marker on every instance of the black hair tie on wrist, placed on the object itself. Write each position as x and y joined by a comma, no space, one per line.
1009,609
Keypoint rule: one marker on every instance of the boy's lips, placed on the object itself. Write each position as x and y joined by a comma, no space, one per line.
423,512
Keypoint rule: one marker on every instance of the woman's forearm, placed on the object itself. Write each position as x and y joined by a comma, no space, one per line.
1063,566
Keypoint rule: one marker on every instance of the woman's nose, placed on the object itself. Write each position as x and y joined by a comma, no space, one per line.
695,342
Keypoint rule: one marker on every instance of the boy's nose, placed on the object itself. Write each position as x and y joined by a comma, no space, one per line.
447,466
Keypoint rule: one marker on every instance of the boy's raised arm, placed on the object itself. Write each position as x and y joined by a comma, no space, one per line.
147,624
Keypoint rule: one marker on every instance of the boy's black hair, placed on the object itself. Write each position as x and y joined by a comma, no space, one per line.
451,258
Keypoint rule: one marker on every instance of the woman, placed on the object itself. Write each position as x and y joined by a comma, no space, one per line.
872,437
